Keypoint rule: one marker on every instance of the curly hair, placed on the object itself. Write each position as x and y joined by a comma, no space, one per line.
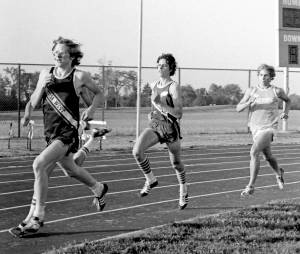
270,69
170,59
74,49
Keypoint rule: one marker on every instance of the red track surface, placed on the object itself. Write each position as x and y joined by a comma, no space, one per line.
216,176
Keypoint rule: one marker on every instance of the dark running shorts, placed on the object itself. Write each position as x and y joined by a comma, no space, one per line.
69,138
166,130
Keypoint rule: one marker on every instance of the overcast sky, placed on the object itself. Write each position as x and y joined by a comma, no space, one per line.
200,33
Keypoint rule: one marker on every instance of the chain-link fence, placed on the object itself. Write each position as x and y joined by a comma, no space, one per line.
118,84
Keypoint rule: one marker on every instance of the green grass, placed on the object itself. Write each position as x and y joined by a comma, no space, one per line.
219,125
197,120
271,228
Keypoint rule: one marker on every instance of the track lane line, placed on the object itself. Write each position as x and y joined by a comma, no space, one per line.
150,204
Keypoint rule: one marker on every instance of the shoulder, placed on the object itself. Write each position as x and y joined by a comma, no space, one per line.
174,84
80,74
153,84
279,92
251,90
82,77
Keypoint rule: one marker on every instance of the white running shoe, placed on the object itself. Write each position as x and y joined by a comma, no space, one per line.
147,187
280,180
249,190
99,202
183,200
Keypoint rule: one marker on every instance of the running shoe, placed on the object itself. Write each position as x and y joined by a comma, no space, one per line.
183,201
100,132
18,230
99,202
249,190
280,180
24,229
147,187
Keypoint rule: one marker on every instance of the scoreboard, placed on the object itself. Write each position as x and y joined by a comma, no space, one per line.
288,33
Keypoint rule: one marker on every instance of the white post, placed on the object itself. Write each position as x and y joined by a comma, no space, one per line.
139,74
286,90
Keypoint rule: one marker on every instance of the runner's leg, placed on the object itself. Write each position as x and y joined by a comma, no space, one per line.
175,158
147,139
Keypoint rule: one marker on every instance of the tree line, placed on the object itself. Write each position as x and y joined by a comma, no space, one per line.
119,88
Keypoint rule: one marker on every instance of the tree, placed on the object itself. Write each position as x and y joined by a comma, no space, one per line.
10,81
188,95
146,96
217,94
202,97
233,92
295,101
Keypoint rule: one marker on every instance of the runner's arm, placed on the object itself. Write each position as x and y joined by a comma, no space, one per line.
89,83
246,101
286,106
27,115
36,97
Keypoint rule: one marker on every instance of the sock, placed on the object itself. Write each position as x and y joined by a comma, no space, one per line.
181,180
39,211
31,210
88,144
145,167
97,189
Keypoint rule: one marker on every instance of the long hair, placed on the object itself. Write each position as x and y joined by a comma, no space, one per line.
270,69
170,59
73,48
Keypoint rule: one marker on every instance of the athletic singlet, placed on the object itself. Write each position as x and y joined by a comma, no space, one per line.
165,97
54,124
264,114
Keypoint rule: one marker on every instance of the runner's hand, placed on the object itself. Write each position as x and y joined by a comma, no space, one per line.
88,114
251,101
47,80
284,116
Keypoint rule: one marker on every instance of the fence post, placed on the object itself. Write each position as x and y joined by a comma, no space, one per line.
19,100
286,90
104,101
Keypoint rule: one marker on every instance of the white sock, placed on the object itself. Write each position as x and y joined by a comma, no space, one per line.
150,177
183,188
97,189
31,210
39,211
88,144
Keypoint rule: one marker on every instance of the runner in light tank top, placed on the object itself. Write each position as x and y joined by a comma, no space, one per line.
264,113
163,127
262,102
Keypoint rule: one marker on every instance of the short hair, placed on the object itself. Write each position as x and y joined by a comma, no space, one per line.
270,69
73,48
170,59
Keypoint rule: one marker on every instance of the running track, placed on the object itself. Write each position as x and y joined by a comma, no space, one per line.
216,176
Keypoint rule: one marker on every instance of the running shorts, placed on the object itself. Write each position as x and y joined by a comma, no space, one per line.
168,131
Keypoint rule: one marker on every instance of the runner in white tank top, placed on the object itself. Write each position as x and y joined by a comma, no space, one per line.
262,102
163,128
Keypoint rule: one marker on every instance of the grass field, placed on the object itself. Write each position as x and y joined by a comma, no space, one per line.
271,228
219,125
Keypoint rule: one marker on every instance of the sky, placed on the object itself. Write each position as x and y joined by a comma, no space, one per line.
199,33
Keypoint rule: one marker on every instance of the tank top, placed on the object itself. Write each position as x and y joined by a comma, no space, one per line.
165,97
264,114
64,88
